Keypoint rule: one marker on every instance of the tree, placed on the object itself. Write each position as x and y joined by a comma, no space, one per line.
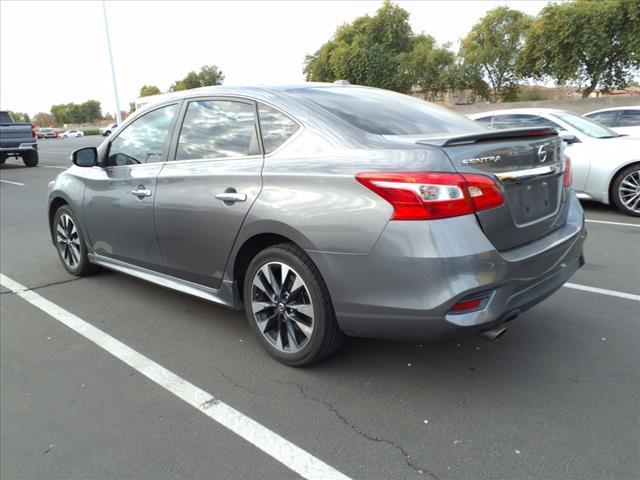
587,43
43,119
148,90
366,51
20,117
207,76
430,67
493,45
86,112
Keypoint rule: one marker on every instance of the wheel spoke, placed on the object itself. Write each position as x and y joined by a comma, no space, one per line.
267,324
304,328
273,281
262,284
291,335
260,307
304,309
75,253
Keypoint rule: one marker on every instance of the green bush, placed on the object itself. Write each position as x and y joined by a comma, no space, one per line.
91,131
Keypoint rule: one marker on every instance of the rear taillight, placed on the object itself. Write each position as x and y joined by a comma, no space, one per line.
431,195
33,131
566,178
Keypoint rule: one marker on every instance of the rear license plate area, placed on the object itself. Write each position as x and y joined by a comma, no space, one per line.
533,200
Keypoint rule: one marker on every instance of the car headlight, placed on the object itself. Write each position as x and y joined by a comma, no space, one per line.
52,184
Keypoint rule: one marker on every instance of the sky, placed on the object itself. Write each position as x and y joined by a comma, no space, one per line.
55,52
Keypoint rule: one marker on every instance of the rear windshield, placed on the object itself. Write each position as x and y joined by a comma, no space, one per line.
5,118
383,112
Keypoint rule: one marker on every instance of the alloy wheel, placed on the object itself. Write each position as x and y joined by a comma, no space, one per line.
68,241
629,191
282,307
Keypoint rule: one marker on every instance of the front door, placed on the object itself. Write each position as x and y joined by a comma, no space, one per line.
205,193
119,196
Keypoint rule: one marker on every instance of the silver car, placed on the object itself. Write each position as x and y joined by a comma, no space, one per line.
326,210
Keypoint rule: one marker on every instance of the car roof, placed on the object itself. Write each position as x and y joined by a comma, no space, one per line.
259,92
529,111
615,109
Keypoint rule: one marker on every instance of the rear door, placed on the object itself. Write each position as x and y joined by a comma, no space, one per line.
119,196
205,192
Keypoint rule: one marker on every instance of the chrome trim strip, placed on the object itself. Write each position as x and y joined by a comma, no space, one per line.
224,295
519,175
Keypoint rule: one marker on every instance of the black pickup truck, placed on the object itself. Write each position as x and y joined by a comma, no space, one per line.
17,140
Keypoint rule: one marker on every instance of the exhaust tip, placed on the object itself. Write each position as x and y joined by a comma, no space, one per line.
493,334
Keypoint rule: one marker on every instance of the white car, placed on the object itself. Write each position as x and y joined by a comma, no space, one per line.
623,120
108,130
604,164
71,134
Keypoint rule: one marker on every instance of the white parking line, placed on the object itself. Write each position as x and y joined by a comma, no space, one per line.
614,223
290,455
12,183
603,291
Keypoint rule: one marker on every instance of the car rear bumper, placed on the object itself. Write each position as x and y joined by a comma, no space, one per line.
406,285
19,148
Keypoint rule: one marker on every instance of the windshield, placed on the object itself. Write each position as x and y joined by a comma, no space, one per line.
586,126
382,112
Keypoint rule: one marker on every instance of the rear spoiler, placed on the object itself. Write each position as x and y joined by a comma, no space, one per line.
488,136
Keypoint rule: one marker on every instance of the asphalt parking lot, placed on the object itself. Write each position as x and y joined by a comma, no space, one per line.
556,398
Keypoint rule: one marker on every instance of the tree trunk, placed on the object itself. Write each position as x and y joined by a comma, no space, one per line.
592,86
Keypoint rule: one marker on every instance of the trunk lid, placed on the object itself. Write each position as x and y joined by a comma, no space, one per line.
528,166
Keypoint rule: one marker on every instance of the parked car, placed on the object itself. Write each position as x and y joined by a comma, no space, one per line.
46,133
106,131
72,134
605,165
17,140
326,210
622,120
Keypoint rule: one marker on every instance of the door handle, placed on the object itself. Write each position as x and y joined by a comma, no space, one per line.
141,192
232,197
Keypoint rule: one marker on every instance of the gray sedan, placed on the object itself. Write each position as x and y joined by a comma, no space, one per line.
326,210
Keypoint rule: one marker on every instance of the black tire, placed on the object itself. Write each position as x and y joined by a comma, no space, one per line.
82,266
30,159
629,175
326,336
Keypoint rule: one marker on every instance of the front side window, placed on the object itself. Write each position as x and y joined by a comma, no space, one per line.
143,140
275,126
218,128
629,118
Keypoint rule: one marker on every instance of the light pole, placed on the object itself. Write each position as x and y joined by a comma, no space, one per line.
113,70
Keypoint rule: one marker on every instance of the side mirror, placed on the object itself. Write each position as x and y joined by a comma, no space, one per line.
85,157
569,138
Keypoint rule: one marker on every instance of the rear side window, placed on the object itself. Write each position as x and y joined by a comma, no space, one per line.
521,121
5,118
275,126
485,121
629,118
217,129
382,112
607,119
143,140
